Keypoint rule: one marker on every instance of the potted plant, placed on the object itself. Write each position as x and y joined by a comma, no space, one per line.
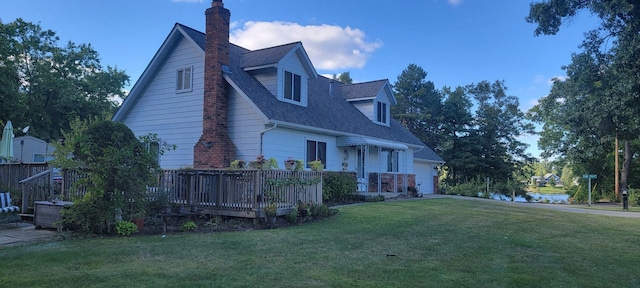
237,164
299,165
138,219
316,165
272,163
270,213
289,163
260,160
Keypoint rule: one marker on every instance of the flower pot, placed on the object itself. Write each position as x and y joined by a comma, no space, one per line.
266,166
289,165
256,165
139,222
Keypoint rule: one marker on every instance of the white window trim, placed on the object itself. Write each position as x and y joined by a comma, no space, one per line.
190,80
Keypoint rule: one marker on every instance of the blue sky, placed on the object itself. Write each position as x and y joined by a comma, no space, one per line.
458,42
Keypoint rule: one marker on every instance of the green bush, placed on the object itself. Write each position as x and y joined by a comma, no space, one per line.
126,228
188,226
339,187
471,188
117,169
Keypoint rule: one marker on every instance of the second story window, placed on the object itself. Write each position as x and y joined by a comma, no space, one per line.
183,80
292,86
382,112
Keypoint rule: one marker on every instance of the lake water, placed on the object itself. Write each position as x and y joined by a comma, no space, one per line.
535,197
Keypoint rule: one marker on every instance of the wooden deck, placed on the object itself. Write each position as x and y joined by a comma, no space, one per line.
238,193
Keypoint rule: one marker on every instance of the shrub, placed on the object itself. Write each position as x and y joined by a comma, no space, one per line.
188,226
117,169
339,187
126,228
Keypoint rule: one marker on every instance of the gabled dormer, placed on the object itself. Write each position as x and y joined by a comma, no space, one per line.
284,70
373,99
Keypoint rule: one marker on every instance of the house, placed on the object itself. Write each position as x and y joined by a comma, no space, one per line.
217,102
543,180
29,149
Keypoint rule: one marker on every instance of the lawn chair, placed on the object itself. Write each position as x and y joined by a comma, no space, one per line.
6,208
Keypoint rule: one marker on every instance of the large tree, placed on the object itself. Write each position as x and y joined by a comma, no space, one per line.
499,123
46,85
419,106
600,100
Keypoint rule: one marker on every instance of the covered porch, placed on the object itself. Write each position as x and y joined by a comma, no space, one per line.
381,166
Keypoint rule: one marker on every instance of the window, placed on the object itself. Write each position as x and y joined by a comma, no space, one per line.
292,86
316,150
183,80
392,160
382,112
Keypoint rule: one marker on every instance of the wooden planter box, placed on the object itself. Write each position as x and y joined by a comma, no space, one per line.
47,213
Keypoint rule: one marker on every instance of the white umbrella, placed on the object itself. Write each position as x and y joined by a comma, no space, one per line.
6,144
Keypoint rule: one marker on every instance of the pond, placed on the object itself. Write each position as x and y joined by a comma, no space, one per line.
535,197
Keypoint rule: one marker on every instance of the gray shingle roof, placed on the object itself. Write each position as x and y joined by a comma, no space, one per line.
361,90
325,110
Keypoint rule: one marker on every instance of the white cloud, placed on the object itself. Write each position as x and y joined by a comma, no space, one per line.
330,47
454,2
557,78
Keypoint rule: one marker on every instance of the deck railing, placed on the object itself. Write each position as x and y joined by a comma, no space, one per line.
240,193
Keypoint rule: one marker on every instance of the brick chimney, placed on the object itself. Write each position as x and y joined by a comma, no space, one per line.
215,149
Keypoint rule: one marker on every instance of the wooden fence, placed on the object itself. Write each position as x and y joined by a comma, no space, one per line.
11,174
239,193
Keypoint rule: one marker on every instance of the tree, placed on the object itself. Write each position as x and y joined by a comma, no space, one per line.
344,78
117,167
499,123
419,106
602,91
46,85
460,148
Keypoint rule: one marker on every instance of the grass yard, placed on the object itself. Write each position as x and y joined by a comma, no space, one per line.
547,190
423,243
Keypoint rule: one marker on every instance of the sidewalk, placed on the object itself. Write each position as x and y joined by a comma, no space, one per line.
12,234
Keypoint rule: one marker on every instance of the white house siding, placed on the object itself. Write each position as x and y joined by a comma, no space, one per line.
424,176
28,149
365,107
245,126
175,117
282,143
269,81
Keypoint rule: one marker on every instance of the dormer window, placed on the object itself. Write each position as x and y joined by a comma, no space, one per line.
381,113
183,80
292,86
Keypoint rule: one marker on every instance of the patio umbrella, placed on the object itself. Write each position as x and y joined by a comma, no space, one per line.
6,144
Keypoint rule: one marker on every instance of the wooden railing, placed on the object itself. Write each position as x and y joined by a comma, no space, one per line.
11,174
240,193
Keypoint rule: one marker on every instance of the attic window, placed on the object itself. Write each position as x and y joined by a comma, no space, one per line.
382,112
292,86
183,80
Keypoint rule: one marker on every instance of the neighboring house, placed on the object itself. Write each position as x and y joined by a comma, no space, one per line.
218,102
546,178
29,149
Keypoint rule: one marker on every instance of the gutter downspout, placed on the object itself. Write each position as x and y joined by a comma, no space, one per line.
275,125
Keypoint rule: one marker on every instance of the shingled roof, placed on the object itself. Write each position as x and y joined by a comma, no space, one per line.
327,108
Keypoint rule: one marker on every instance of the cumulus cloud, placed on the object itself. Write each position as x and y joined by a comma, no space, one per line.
330,47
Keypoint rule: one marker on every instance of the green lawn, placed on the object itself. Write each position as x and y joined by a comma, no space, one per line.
423,243
547,190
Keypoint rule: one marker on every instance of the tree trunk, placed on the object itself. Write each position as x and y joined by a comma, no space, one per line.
624,174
